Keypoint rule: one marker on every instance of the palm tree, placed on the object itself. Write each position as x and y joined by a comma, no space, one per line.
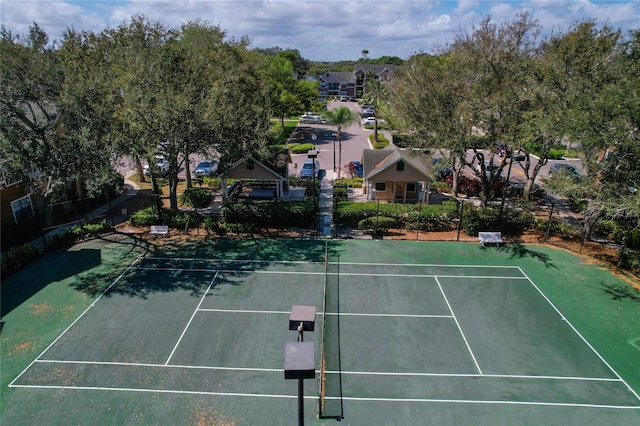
341,117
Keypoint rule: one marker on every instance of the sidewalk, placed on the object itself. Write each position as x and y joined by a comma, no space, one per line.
131,190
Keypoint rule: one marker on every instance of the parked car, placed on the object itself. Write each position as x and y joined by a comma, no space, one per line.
490,168
344,98
309,169
442,171
205,168
161,166
356,168
369,121
368,113
563,168
310,118
518,155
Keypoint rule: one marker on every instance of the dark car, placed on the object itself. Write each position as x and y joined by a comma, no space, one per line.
356,169
564,168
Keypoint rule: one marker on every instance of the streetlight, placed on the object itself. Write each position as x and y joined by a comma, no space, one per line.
299,357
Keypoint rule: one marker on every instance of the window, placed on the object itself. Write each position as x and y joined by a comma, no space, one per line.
381,186
411,187
400,166
22,209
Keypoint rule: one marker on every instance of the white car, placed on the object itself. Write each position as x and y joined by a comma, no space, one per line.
161,166
310,169
310,118
369,121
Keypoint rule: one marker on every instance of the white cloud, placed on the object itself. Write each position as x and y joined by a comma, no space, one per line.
320,30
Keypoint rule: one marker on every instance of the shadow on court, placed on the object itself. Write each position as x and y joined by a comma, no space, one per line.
26,283
518,250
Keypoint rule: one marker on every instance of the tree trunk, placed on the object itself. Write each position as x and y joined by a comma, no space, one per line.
187,171
173,190
528,186
139,169
80,189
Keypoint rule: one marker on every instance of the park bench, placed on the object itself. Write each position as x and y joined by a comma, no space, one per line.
490,237
159,230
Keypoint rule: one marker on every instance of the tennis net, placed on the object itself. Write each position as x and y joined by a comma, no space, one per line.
330,381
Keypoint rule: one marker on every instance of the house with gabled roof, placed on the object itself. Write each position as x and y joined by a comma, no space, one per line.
336,84
352,84
396,175
259,179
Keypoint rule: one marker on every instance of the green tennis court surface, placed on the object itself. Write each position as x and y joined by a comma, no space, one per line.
413,333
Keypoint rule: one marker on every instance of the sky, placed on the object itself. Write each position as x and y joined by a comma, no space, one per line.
321,30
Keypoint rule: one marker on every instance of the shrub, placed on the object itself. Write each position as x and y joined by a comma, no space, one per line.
378,224
630,260
212,223
440,187
302,148
214,183
555,154
195,197
181,219
270,213
145,217
380,143
513,221
355,182
17,257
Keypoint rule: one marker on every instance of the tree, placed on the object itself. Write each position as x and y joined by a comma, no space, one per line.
602,114
429,96
365,54
186,91
340,117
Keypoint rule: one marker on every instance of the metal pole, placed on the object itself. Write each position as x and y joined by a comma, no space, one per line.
504,192
460,220
300,402
546,236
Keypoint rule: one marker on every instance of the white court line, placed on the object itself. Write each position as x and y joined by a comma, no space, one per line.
427,265
191,259
459,328
353,373
171,391
226,271
345,398
151,365
342,314
77,319
488,402
491,277
471,376
581,336
191,319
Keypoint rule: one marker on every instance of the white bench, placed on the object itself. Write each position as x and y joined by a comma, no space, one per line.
159,230
490,237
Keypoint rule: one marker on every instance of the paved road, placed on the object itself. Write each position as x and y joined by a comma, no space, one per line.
354,140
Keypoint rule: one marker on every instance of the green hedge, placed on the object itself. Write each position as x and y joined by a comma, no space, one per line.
270,213
195,197
17,257
145,217
513,221
410,216
377,224
301,149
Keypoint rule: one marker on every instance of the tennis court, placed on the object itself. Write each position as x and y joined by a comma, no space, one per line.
410,338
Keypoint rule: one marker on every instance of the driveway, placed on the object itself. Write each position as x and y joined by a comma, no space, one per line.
354,141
